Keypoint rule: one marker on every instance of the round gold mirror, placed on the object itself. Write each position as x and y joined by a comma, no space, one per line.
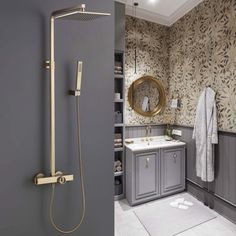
146,96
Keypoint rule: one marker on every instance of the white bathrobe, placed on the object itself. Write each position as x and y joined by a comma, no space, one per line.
205,134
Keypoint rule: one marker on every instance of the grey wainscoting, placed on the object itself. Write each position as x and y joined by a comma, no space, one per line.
221,194
140,131
225,184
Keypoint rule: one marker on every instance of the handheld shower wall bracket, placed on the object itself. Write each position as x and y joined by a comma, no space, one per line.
75,93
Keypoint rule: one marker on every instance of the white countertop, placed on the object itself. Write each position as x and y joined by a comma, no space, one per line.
155,142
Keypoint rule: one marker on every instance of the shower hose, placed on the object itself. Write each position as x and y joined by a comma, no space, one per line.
81,182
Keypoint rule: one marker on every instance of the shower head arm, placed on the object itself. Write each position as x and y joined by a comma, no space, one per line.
68,11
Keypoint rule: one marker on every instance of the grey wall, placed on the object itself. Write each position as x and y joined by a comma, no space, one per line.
24,118
119,26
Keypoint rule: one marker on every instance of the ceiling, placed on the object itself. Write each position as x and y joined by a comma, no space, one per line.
165,12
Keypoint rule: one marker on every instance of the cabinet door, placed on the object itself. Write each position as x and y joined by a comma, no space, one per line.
173,170
146,175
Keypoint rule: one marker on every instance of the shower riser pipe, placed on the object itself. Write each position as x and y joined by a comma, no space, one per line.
55,177
52,97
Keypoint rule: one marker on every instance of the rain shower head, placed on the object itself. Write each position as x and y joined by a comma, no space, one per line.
77,13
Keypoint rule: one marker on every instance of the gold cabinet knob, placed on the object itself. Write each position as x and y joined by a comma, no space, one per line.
175,156
147,162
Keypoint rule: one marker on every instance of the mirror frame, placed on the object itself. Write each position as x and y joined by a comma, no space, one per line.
162,96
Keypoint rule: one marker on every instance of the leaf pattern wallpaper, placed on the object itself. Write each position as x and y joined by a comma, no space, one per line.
198,50
152,59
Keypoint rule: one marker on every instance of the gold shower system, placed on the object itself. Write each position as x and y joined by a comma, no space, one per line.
74,13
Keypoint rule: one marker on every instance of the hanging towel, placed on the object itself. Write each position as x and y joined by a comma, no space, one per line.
145,104
205,134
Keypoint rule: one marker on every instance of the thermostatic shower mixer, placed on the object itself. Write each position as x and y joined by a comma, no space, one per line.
59,177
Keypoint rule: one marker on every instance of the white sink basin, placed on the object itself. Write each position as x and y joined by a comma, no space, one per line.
153,143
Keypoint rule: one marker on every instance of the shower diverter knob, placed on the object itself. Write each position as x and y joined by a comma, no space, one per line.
61,180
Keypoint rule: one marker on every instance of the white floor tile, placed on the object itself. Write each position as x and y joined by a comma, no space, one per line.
127,224
217,227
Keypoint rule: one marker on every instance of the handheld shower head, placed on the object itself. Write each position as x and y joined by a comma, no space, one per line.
79,75
77,90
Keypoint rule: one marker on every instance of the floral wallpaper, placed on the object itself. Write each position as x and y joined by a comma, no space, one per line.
152,59
200,50
203,53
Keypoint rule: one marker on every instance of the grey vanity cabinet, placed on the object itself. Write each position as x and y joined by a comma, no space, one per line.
142,176
151,174
173,170
146,174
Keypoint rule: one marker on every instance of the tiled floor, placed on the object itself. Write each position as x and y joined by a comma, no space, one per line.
127,224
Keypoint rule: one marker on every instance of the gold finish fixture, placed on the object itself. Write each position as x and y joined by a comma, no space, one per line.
76,92
47,64
140,85
75,13
148,132
52,105
79,75
147,162
40,179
